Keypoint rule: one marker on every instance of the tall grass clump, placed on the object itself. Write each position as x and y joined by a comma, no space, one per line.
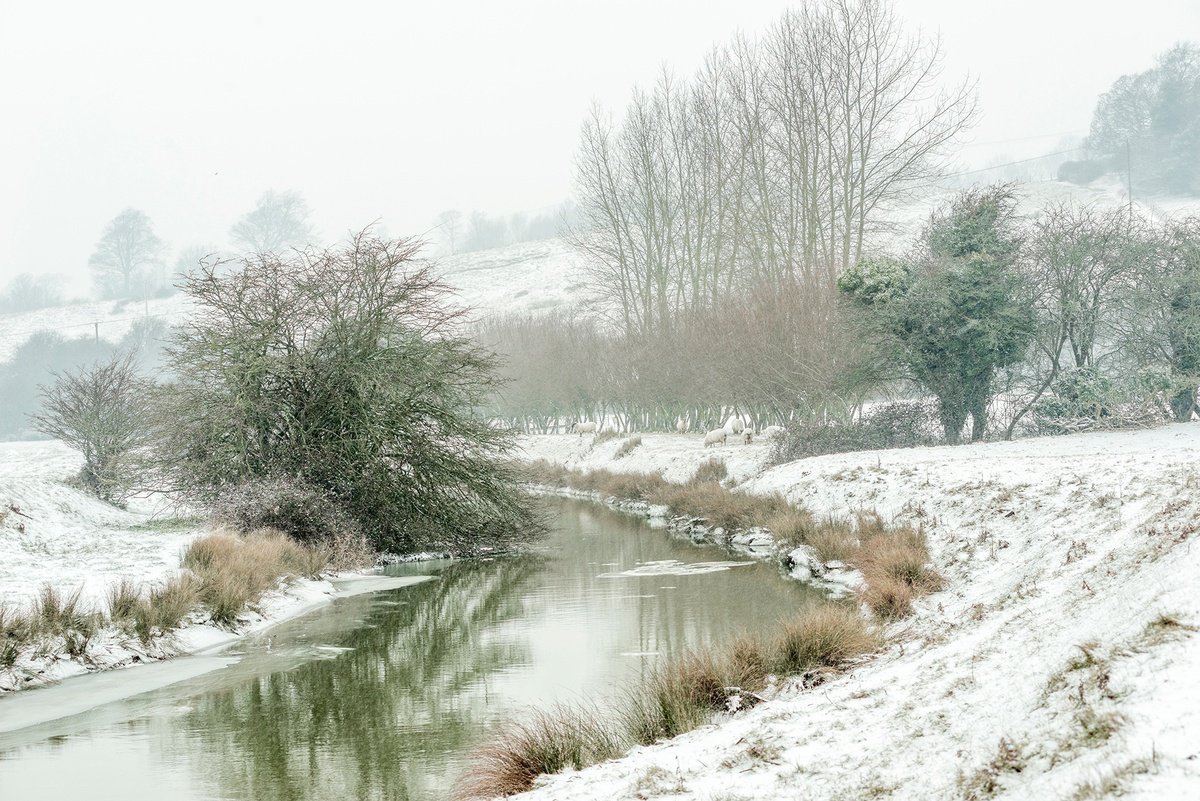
828,636
713,469
124,597
16,632
234,571
895,563
547,742
627,447
678,696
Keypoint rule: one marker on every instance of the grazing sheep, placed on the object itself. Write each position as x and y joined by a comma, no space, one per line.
735,425
715,436
771,432
584,428
681,426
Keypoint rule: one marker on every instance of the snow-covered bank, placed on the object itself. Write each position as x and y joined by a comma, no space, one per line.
1058,663
68,540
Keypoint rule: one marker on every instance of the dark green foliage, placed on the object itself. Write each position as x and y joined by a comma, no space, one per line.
959,312
343,371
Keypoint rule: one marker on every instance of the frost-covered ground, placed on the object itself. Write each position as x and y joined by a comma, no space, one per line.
1061,661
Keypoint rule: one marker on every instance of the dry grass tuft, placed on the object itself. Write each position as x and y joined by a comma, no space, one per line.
790,527
713,469
827,636
123,599
677,697
547,743
888,598
627,447
234,571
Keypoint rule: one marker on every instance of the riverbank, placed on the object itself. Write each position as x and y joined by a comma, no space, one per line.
54,535
1057,663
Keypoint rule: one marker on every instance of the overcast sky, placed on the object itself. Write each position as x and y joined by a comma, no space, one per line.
393,111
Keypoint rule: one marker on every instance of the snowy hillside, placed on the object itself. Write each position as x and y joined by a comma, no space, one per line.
1059,663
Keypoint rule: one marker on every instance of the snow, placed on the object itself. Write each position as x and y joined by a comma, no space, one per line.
1052,548
72,541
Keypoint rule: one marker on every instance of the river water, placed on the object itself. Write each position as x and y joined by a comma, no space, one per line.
383,696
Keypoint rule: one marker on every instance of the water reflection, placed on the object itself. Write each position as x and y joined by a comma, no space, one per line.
380,696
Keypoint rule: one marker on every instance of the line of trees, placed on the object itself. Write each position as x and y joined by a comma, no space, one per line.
772,164
1077,311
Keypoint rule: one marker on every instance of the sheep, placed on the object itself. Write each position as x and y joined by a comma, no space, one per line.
747,435
715,436
735,425
681,426
772,431
585,428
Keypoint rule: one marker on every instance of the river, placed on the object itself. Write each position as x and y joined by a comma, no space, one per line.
382,696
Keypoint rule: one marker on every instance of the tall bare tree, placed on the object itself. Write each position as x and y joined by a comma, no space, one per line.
279,221
127,254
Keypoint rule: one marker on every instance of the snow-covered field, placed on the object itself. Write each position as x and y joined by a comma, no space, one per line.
71,539
1061,662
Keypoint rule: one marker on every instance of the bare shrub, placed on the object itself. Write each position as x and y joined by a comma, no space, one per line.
286,504
101,411
547,742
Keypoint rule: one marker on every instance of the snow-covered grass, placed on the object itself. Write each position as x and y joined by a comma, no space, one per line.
1057,662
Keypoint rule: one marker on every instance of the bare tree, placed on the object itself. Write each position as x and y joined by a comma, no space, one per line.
775,163
279,221
450,222
101,411
127,253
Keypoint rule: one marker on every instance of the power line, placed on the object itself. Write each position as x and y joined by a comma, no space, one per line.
1011,163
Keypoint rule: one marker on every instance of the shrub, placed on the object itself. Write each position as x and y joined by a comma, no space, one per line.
102,412
833,540
300,510
547,742
887,597
902,424
349,371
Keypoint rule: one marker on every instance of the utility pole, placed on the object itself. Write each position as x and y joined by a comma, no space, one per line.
1129,179
97,326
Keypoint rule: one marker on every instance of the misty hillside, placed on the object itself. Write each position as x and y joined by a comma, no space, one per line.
540,276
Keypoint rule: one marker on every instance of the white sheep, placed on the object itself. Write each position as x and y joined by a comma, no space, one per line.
681,426
715,436
747,435
584,428
771,432
735,425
